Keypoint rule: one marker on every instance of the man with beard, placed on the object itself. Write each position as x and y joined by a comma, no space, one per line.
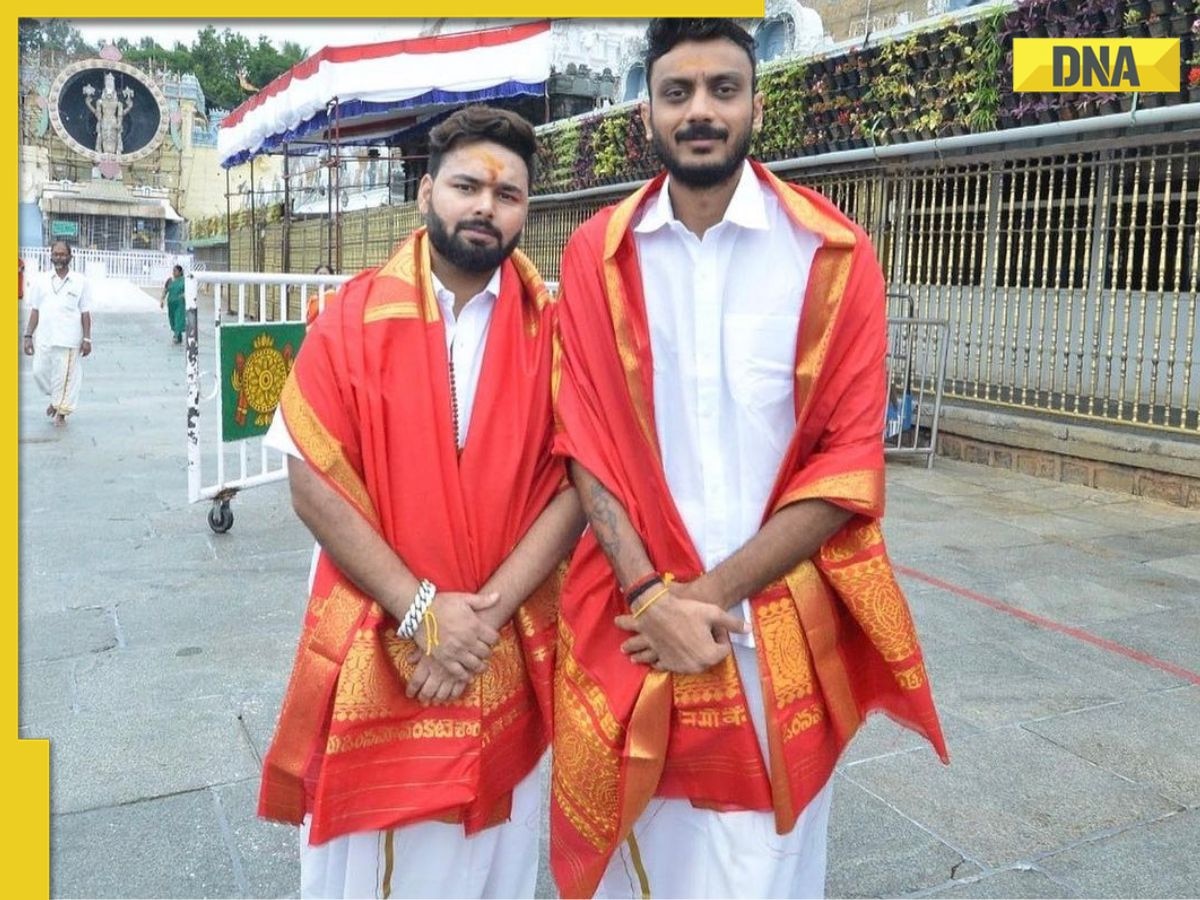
731,616
418,415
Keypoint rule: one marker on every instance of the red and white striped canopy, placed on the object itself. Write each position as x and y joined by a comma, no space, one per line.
372,92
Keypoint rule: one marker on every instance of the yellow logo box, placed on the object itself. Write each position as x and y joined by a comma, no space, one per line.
1096,65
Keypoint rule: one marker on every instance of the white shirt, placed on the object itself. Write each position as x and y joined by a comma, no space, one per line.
59,302
724,311
466,338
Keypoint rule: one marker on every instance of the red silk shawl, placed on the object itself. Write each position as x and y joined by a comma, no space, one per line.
369,405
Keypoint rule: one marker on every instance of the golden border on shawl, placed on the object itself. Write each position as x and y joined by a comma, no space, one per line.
826,288
309,692
322,450
586,754
645,748
433,312
815,605
531,278
404,309
854,540
401,265
879,606
618,303
863,488
826,283
781,793
556,356
623,215
623,332
806,214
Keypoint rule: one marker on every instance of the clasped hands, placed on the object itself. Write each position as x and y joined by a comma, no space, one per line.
685,630
457,650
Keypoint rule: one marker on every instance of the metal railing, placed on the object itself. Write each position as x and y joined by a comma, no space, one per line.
916,371
142,267
247,463
1069,280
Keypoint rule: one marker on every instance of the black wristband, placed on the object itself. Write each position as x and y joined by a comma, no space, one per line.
641,589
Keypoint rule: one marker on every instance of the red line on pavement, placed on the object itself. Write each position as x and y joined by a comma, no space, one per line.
1042,622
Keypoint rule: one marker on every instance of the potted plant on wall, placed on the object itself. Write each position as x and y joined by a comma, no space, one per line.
1135,22
954,47
1193,83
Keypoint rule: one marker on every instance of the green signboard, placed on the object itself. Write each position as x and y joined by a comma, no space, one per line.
60,229
255,362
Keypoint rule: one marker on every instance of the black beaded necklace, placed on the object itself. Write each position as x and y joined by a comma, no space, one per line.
454,403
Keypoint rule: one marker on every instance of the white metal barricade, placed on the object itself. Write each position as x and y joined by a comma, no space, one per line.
230,462
145,268
916,364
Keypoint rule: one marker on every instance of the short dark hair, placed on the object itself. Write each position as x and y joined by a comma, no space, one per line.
663,34
474,124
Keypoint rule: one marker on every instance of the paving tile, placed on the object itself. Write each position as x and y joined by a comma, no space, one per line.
875,852
1156,859
165,847
1153,740
1009,796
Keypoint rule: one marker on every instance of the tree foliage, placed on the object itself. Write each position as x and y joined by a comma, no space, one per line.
219,60
56,38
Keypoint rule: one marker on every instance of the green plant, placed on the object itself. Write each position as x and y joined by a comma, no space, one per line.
983,98
952,37
788,102
608,146
1133,16
929,120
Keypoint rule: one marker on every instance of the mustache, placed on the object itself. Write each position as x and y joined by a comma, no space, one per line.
701,131
479,225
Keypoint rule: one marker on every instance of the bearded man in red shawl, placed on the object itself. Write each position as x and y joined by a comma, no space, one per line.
419,417
731,617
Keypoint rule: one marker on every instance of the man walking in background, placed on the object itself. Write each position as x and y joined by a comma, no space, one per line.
59,332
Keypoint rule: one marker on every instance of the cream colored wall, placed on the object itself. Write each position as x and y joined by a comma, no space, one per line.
34,167
203,181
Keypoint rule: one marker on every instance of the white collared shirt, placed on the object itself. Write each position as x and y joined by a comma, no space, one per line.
60,303
466,337
724,311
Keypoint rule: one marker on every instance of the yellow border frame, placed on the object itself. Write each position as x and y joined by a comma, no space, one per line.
26,763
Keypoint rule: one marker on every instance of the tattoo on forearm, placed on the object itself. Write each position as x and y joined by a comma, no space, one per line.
602,513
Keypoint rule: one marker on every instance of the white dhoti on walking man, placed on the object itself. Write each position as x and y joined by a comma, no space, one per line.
58,373
58,334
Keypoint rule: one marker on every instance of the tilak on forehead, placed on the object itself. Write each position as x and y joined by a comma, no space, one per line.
483,155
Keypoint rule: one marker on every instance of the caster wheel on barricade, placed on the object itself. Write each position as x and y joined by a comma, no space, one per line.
220,517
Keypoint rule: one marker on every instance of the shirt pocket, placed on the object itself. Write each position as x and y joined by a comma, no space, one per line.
760,357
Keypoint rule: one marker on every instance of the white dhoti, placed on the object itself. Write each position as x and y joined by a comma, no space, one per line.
58,372
690,852
431,859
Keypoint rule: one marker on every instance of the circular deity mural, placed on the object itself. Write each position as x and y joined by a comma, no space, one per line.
107,110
